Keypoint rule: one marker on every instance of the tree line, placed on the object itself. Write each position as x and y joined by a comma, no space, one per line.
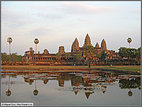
130,53
86,56
10,58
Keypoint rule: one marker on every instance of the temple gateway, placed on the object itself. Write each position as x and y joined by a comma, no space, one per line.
77,55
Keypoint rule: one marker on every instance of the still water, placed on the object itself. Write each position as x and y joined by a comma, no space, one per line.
70,88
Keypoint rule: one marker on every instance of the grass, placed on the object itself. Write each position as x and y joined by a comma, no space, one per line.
122,68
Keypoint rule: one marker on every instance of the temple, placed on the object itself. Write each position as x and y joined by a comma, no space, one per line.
63,58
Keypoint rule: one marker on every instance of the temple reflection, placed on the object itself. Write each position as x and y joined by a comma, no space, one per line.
87,83
61,80
45,81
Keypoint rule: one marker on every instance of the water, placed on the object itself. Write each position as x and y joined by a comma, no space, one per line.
58,88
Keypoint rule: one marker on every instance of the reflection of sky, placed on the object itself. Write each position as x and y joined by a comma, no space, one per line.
58,23
51,93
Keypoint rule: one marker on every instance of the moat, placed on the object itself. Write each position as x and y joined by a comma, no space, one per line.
71,88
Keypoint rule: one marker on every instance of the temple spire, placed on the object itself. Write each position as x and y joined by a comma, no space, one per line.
103,45
75,46
97,45
87,41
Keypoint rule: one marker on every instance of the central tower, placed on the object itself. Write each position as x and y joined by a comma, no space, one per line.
87,41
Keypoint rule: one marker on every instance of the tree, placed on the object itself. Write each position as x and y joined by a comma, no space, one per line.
9,40
67,56
4,57
14,57
98,55
129,40
138,53
103,56
36,41
58,56
123,52
129,53
89,53
77,56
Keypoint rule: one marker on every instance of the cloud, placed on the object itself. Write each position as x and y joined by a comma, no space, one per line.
41,30
136,10
51,16
14,19
85,8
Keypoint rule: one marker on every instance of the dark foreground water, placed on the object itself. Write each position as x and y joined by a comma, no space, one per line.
57,88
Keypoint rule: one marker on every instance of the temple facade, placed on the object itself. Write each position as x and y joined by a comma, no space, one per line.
68,57
87,42
110,54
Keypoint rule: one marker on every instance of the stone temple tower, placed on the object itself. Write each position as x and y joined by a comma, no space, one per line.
75,46
103,45
97,45
61,50
87,41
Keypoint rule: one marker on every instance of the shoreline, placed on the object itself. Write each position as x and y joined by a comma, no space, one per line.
117,69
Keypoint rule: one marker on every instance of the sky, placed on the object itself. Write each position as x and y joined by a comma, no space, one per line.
58,23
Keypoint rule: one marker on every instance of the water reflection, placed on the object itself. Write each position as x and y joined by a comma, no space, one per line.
35,92
80,82
130,83
8,92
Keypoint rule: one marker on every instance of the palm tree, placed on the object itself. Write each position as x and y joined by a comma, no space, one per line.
36,41
9,40
8,92
129,40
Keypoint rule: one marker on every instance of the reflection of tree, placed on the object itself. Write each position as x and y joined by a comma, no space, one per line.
128,84
86,81
3,75
8,92
76,80
66,77
14,75
35,92
130,93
